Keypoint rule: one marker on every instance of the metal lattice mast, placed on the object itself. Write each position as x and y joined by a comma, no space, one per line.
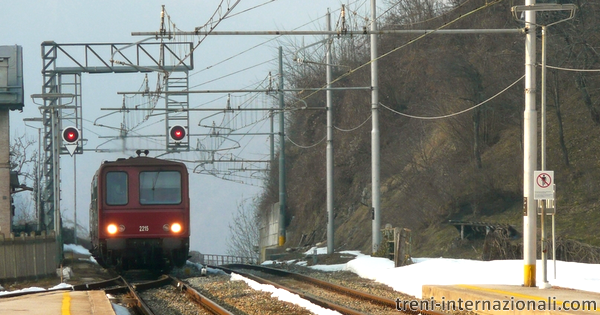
177,105
62,102
61,94
50,121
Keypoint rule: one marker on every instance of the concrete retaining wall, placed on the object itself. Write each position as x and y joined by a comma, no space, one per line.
269,231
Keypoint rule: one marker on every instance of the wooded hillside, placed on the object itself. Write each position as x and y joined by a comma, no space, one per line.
451,122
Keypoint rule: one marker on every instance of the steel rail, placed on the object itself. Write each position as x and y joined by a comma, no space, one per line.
330,286
194,295
142,306
323,284
323,303
199,298
98,285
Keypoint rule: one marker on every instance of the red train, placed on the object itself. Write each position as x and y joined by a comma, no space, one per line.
140,214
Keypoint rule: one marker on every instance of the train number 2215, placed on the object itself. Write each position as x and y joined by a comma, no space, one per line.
144,228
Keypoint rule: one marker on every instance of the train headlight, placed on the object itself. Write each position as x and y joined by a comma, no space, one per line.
112,228
176,228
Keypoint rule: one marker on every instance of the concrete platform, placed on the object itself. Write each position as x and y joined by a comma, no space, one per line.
505,299
58,303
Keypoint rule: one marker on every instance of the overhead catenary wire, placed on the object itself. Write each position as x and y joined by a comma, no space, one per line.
355,128
213,25
251,8
304,146
233,73
256,85
320,141
255,46
453,114
412,41
384,56
571,69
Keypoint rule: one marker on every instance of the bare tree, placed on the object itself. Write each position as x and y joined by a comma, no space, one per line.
24,161
23,156
25,215
244,232
407,12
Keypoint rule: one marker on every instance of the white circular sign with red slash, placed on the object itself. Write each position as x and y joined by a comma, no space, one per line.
544,185
544,180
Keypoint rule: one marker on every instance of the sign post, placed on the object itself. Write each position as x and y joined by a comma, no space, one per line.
543,188
544,191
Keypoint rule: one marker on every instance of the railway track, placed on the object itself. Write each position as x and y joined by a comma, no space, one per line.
181,299
217,294
323,293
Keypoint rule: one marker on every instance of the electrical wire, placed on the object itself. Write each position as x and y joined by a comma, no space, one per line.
355,128
424,21
420,37
305,147
251,8
253,47
213,25
571,69
453,114
233,73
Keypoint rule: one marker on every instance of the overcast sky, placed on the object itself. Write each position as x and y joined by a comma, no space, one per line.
214,201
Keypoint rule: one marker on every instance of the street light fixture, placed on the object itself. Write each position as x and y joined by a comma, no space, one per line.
571,8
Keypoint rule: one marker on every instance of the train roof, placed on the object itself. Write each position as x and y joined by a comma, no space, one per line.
141,161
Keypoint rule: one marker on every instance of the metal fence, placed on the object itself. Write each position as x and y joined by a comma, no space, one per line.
217,260
27,256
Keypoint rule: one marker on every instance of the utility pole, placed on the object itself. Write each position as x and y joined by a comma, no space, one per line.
375,142
75,197
55,134
530,137
282,195
375,156
330,182
529,151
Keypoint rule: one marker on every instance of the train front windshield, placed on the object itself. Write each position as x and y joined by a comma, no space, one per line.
162,187
116,188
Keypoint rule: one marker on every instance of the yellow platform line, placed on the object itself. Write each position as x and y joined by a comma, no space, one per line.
514,294
66,304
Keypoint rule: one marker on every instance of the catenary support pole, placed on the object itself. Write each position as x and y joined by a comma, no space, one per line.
375,166
282,196
529,151
75,197
272,136
56,179
330,216
544,202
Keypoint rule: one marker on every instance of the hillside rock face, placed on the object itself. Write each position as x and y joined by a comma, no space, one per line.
451,131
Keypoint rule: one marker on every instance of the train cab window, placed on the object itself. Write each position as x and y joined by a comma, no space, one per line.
116,188
162,187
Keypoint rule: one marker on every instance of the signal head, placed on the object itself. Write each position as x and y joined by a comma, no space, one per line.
71,135
177,133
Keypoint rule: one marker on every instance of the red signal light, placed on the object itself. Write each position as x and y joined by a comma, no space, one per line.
70,135
177,133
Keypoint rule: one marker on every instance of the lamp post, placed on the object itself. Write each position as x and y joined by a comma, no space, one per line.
529,248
